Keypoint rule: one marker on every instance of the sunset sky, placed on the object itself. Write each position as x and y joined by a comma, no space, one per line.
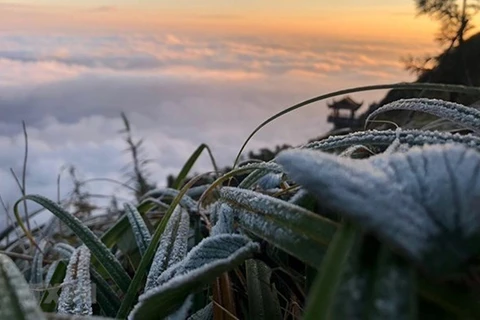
185,72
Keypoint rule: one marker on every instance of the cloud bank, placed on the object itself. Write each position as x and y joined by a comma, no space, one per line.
178,91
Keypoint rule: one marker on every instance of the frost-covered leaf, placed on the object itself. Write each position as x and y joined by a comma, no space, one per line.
270,181
387,137
225,216
76,295
454,112
16,299
139,228
172,247
56,316
262,303
424,202
65,250
203,264
206,313
98,249
292,228
36,275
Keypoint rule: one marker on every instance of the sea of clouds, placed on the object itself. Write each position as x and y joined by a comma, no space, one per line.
178,91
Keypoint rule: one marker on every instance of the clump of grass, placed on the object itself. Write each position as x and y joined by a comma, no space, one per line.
367,225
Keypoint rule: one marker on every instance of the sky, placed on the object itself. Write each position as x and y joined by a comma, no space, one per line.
185,73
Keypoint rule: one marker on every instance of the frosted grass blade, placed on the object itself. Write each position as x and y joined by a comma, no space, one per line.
16,299
139,228
98,249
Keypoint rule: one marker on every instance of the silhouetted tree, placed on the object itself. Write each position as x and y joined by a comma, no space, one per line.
455,19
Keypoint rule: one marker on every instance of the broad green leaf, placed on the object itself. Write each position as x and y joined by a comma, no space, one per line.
423,202
98,249
16,299
320,298
262,303
172,247
459,114
76,295
203,264
139,228
291,228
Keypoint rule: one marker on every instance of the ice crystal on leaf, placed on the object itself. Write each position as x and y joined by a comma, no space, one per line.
139,228
76,295
425,201
225,217
454,112
210,258
172,247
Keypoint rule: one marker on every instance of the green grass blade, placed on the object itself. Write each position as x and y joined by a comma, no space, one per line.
50,296
106,297
189,164
139,228
98,249
16,299
411,86
143,267
320,297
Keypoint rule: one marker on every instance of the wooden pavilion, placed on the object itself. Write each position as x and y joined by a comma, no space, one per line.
339,117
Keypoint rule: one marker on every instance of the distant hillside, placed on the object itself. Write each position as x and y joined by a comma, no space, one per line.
460,65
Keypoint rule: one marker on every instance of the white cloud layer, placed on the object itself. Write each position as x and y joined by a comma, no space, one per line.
178,92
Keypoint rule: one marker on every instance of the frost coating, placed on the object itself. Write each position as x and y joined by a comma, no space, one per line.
454,112
172,247
139,228
386,137
278,214
270,181
210,258
207,251
423,201
65,250
16,299
76,295
225,220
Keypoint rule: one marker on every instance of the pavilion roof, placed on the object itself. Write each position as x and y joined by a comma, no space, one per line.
345,103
